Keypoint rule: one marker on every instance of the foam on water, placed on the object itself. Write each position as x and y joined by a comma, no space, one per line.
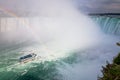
71,46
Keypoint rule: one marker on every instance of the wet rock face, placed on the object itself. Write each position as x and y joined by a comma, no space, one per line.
118,43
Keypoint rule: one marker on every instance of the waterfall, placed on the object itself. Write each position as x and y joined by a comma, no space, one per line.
110,25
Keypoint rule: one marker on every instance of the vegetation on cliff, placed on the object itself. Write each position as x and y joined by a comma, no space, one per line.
111,71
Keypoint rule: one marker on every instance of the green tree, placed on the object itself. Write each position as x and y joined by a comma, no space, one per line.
111,71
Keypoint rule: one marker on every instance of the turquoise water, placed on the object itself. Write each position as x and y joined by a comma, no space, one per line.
11,69
110,25
77,65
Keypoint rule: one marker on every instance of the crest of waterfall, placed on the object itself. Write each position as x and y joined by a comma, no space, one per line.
110,25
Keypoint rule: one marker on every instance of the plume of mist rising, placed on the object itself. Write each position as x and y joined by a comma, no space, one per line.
65,28
60,23
61,27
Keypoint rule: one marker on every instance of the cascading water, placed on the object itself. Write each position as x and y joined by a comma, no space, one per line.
110,25
71,46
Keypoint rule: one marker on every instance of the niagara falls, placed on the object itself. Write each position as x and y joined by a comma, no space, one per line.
59,40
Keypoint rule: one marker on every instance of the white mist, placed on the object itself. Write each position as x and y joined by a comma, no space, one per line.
61,28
